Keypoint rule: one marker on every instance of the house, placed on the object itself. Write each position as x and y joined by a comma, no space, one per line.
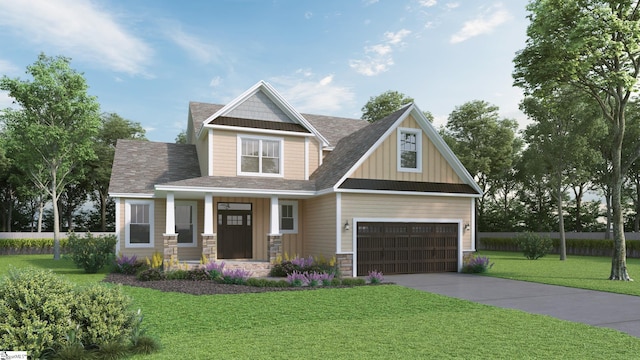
258,179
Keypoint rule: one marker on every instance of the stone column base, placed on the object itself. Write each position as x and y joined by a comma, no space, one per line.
209,247
275,247
345,264
170,250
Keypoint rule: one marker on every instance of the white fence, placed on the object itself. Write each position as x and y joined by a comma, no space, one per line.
44,235
556,235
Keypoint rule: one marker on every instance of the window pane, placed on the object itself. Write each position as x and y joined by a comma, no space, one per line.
408,141
408,160
270,166
286,224
184,224
250,164
250,147
139,233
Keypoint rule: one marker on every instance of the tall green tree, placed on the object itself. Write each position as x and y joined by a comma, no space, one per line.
593,45
181,138
52,131
384,104
112,128
564,126
485,144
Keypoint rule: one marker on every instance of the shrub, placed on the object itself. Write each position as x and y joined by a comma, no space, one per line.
297,279
534,246
34,311
353,282
46,315
214,269
128,265
104,315
92,253
151,274
236,276
336,281
197,274
304,265
476,265
177,274
284,268
375,277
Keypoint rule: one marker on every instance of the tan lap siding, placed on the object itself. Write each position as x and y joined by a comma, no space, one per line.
202,149
382,163
405,207
319,219
294,158
224,153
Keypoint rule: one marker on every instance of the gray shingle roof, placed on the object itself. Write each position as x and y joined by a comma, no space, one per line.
200,112
334,128
139,165
350,149
246,182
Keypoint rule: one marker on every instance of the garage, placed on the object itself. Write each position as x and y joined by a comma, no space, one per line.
406,248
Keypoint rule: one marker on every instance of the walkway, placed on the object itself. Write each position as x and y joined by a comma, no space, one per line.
616,311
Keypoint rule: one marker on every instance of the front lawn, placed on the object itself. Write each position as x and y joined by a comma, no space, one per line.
369,322
586,272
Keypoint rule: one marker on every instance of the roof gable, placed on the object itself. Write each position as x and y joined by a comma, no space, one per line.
263,102
354,149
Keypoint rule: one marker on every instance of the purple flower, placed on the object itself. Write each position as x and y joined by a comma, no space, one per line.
375,277
297,279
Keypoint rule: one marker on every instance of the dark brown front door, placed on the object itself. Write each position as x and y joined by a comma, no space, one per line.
407,248
234,234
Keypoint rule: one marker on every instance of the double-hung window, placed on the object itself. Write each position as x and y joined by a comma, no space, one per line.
260,156
409,150
185,222
288,217
139,223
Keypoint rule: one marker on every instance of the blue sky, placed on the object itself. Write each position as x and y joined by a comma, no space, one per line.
146,59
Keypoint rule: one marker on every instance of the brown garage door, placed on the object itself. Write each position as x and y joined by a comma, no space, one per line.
407,248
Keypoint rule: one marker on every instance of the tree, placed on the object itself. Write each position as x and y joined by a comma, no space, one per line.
112,128
384,104
52,131
594,46
564,125
485,144
182,137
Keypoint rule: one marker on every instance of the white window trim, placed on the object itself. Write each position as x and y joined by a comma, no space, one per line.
127,219
194,219
294,204
239,155
418,133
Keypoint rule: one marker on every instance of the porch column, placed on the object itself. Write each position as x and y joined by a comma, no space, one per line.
209,238
170,237
275,238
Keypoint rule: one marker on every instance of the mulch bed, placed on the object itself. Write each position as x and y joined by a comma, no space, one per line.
204,287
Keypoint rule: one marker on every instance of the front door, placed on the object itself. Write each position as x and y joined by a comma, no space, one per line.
234,234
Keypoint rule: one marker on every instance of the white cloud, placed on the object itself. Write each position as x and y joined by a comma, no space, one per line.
484,23
196,48
310,95
378,57
452,5
78,29
308,15
369,2
215,81
6,101
427,3
396,38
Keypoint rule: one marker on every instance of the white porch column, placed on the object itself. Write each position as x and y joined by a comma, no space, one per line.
170,222
275,216
208,213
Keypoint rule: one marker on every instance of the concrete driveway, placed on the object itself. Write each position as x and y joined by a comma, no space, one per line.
616,311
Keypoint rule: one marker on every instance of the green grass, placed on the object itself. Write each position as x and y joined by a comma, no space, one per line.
585,272
371,322
63,267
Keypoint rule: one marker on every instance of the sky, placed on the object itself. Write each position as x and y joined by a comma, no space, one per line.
146,59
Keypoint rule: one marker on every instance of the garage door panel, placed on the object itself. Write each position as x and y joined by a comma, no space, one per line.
405,248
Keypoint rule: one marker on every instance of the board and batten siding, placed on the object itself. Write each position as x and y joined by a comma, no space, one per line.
404,207
383,162
225,153
319,219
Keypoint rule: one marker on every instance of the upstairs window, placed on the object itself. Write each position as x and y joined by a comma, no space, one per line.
409,150
260,156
